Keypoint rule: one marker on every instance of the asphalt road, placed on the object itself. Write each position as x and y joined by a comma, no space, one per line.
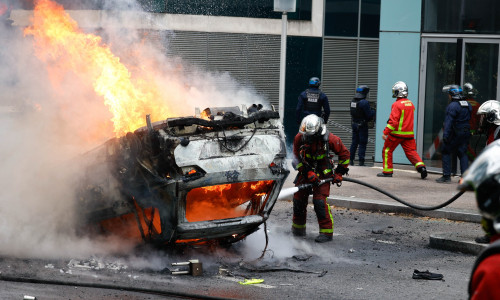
372,256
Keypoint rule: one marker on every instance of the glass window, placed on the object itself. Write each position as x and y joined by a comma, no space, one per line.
441,70
370,18
461,16
341,17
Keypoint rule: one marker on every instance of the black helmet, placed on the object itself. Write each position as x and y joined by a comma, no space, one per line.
314,82
362,91
455,91
483,177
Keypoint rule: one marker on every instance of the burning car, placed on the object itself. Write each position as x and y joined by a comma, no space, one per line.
210,178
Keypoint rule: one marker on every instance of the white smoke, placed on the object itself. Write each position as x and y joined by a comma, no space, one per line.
57,119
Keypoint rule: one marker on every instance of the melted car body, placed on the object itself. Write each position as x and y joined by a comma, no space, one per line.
213,177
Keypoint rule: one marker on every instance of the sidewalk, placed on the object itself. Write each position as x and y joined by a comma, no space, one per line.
407,185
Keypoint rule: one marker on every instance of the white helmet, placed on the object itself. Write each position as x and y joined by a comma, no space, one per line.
312,125
468,89
399,90
491,109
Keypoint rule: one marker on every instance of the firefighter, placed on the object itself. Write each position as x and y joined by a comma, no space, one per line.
489,113
399,130
312,160
361,114
313,101
483,177
456,131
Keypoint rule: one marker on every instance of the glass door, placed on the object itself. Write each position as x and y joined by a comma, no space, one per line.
453,61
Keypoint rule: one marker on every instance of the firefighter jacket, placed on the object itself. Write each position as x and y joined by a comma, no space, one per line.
315,155
485,273
474,119
312,101
457,119
361,112
400,122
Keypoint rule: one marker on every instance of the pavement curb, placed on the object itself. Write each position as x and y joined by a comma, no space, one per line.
456,242
396,207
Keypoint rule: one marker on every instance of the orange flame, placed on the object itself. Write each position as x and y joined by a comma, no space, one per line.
60,41
223,201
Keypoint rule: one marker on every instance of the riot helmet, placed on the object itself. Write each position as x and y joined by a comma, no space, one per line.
399,90
455,91
491,110
362,91
312,126
314,82
483,177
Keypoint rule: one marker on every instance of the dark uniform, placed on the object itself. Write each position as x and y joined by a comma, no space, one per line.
312,101
456,134
361,114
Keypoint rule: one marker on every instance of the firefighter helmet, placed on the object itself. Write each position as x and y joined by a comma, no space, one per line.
483,177
314,82
469,89
399,90
491,109
362,91
312,125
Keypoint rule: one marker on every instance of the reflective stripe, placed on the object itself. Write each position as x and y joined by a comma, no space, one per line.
319,157
403,132
327,171
298,226
401,119
326,230
344,162
418,164
390,127
386,153
298,166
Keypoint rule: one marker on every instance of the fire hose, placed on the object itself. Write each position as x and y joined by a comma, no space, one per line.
419,207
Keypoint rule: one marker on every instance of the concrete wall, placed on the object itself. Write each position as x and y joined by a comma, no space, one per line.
399,60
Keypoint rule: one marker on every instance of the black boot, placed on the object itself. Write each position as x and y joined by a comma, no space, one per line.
323,238
423,172
444,179
384,174
361,162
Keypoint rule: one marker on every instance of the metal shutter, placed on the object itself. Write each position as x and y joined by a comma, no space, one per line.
339,82
253,60
368,74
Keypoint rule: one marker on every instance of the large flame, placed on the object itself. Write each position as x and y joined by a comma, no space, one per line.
227,200
59,41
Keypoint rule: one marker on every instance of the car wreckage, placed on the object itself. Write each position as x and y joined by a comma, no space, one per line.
209,179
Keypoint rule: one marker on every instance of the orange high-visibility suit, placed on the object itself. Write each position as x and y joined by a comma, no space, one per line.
399,130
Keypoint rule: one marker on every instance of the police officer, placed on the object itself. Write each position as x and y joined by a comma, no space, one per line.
483,177
361,113
456,131
313,101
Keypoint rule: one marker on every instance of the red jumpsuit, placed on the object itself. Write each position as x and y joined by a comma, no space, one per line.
317,160
484,280
399,130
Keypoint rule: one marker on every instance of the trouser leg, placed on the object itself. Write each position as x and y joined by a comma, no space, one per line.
363,140
300,200
322,209
410,149
389,145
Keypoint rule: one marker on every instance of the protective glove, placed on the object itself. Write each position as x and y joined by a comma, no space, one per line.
337,178
312,177
342,170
